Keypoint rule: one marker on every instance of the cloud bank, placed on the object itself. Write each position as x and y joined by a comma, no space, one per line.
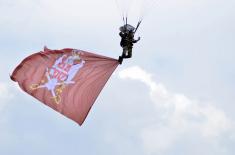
178,115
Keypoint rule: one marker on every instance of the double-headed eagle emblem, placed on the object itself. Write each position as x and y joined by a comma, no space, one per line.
61,74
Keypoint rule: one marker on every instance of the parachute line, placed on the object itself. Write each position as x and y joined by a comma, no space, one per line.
138,25
135,9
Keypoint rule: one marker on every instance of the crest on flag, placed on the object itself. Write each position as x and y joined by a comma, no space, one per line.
60,74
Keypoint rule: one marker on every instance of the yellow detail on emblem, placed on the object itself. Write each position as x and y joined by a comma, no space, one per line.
57,99
58,92
34,86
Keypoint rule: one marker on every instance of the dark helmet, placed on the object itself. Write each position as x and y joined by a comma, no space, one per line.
127,28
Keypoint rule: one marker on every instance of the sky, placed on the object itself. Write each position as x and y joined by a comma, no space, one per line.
174,97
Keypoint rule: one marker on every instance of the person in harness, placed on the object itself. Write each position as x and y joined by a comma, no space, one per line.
127,33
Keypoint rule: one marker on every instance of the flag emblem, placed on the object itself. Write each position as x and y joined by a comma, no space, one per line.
61,74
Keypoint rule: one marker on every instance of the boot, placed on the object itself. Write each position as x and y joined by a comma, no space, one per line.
120,59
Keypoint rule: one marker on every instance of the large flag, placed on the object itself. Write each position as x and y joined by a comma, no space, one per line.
67,80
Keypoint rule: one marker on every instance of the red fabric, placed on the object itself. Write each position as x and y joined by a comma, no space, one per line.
68,80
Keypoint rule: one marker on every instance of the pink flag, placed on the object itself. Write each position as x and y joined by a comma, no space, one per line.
68,80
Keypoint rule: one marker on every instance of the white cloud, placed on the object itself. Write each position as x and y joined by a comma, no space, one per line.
179,115
5,95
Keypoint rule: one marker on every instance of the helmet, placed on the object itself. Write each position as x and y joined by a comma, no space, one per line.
127,28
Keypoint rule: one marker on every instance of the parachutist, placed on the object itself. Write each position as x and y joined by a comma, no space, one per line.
127,33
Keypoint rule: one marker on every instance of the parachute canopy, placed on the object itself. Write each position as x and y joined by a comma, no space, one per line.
67,80
135,10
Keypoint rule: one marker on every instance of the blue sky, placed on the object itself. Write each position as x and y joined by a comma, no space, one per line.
174,97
